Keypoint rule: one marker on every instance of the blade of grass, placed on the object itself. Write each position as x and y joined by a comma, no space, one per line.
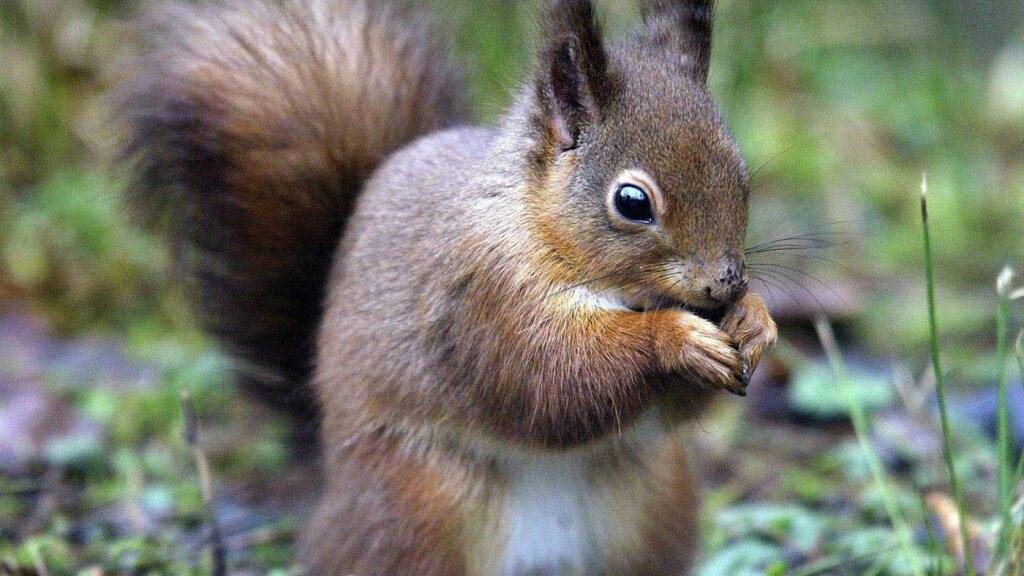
861,429
940,384
1017,561
1020,366
1013,562
1020,359
1016,532
1020,355
1005,457
218,555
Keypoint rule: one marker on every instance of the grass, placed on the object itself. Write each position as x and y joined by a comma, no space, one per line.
940,388
861,427
1008,549
1004,455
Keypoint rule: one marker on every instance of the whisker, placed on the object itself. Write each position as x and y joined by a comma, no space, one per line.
785,278
766,282
796,247
771,295
797,244
819,237
800,257
770,161
781,286
807,235
820,282
816,234
814,231
831,224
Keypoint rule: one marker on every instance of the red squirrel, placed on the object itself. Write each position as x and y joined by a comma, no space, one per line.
500,331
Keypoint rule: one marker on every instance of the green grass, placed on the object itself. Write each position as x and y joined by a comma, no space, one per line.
940,388
862,430
1005,455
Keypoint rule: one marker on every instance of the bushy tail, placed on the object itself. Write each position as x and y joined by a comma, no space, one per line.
251,126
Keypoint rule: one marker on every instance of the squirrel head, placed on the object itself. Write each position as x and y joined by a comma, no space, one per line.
640,189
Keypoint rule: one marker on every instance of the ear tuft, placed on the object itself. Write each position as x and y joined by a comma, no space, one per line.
687,26
578,19
572,76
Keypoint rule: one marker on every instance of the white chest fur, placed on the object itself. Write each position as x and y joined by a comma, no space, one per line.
563,511
552,517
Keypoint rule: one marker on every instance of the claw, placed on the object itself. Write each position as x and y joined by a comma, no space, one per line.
745,374
739,388
744,381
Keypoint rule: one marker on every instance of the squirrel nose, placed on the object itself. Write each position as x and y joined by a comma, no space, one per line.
727,283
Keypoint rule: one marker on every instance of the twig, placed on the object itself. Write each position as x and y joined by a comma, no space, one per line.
218,556
957,530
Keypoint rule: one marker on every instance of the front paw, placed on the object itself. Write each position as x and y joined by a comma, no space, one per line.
752,330
693,346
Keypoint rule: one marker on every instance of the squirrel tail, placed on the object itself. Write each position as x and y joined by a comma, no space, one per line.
251,127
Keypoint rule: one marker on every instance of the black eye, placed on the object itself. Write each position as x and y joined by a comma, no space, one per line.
633,204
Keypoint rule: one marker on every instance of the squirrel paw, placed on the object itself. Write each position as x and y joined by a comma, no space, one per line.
752,330
701,349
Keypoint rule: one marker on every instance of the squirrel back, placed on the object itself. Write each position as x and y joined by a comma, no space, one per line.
252,127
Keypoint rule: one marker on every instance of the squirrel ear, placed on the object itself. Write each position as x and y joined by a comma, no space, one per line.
685,26
572,77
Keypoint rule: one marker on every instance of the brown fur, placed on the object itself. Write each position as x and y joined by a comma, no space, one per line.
252,126
491,332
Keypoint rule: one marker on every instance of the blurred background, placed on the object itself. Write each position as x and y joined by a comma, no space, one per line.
840,106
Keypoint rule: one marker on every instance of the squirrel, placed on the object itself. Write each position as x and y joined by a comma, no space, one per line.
500,331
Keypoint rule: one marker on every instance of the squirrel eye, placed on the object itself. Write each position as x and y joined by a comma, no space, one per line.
634,204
